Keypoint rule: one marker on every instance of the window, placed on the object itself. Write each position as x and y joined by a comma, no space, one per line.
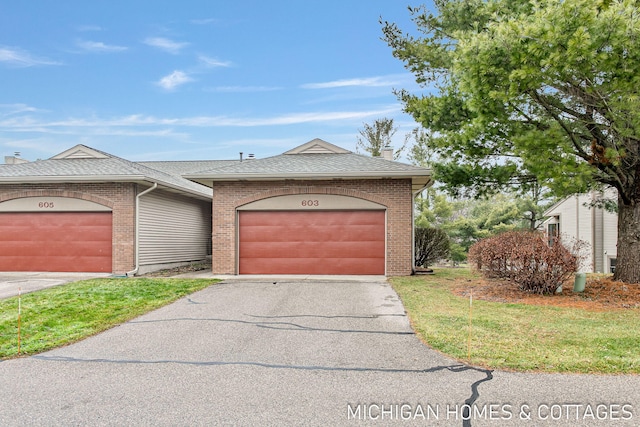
553,232
612,265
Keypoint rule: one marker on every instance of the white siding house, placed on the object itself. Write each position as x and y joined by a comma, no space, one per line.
575,219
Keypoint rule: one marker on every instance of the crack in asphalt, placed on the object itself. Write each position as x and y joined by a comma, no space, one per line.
458,368
282,325
318,316
452,368
466,415
286,326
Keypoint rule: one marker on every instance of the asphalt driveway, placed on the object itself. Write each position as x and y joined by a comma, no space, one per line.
295,352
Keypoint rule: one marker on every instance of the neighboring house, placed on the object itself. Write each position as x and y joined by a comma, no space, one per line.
316,209
86,210
574,218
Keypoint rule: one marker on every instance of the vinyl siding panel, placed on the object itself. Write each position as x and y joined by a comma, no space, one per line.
594,226
173,229
609,237
598,250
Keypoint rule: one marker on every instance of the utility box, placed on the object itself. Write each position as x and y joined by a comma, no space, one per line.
580,281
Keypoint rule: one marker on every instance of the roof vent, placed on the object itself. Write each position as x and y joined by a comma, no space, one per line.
251,156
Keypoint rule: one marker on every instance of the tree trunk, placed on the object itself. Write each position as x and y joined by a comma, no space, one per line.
628,258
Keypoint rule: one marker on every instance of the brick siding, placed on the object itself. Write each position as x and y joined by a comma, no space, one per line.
395,194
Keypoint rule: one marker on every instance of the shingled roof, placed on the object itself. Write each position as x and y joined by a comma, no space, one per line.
316,159
86,164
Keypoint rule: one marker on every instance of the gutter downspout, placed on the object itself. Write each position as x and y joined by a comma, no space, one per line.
137,234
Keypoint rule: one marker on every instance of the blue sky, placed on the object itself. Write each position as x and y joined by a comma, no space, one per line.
179,80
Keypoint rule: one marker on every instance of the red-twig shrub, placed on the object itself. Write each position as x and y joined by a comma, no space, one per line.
529,258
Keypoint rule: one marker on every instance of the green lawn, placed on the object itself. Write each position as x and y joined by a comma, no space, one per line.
519,336
64,314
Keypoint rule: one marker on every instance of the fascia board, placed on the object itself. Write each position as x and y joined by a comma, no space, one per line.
97,179
554,207
418,182
310,175
71,178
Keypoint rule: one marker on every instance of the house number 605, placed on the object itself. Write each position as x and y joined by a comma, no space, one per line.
45,205
310,203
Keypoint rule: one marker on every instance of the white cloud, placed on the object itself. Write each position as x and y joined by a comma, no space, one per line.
166,44
91,46
205,21
173,80
367,81
10,109
314,117
20,58
242,89
212,62
29,124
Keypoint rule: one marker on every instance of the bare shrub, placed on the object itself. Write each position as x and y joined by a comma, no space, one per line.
529,258
431,245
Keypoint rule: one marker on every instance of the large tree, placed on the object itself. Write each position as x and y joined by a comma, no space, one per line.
376,137
523,93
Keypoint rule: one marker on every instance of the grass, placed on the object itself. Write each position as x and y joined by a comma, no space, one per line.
65,314
519,337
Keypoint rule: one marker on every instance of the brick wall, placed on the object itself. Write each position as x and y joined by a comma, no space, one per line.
395,194
120,197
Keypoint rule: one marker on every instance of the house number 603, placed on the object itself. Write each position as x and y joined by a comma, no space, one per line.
310,203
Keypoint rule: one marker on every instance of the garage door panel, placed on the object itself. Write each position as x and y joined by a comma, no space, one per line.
319,250
305,218
51,249
52,235
313,266
317,242
314,233
78,264
56,241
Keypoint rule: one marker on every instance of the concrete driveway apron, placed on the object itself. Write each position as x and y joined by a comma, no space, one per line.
295,352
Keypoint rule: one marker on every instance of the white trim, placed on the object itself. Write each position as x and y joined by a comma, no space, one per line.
311,202
318,146
80,152
51,204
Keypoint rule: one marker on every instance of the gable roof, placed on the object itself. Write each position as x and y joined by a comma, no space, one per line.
315,160
81,152
86,164
317,146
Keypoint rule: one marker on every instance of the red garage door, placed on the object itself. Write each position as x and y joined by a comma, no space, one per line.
318,242
55,241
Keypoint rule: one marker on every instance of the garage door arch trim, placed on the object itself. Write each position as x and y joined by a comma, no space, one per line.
312,190
57,193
